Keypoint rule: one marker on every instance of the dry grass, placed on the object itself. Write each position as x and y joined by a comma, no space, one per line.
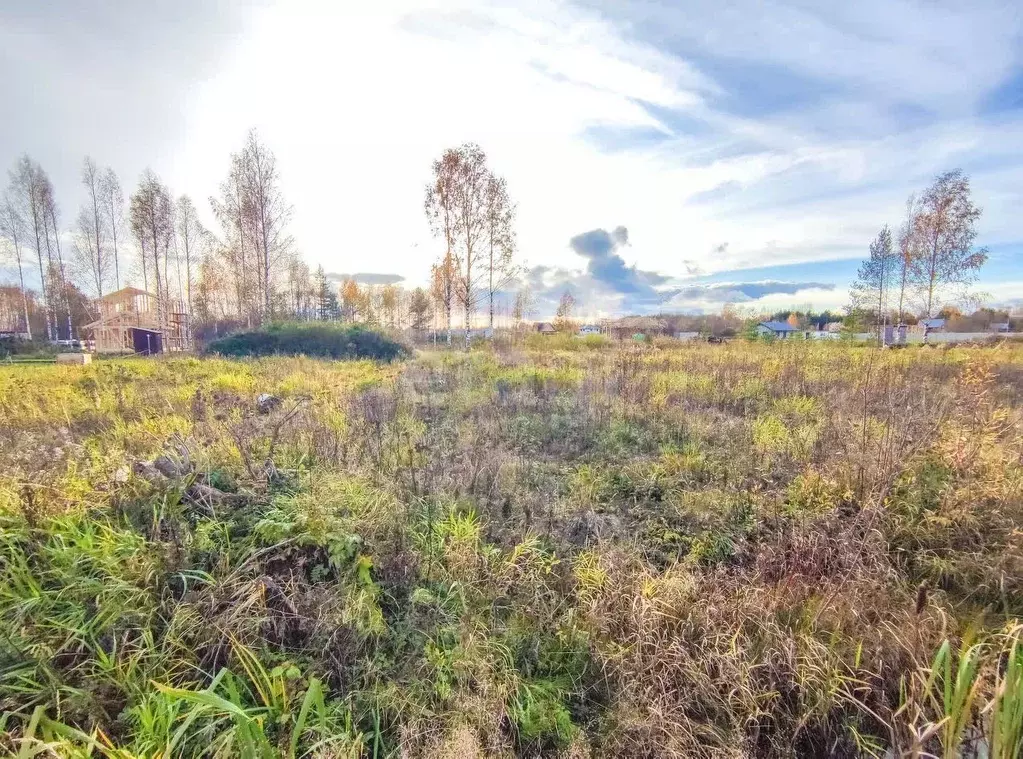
573,550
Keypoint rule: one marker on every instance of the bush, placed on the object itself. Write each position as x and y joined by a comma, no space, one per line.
311,339
11,347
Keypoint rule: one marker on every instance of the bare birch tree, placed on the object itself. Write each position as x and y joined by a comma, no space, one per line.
440,212
86,264
473,178
945,225
270,214
26,190
254,214
191,237
500,233
112,205
442,290
51,213
231,210
908,252
152,223
12,228
458,197
89,245
872,288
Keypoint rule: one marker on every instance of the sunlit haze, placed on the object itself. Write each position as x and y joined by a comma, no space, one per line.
751,150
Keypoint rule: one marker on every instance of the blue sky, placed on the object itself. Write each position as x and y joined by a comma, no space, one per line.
756,144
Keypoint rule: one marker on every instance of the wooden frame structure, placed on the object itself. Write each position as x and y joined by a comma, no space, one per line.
129,318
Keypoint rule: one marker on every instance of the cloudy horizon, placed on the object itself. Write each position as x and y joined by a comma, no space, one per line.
661,159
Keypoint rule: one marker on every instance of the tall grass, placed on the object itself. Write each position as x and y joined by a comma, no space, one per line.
555,549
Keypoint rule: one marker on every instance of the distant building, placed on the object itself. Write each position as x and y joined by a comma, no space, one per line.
999,326
545,328
833,327
933,325
687,336
778,330
130,322
589,329
637,327
896,334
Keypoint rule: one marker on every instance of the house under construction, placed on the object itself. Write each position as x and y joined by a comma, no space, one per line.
130,322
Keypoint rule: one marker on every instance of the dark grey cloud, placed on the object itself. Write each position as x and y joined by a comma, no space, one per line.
546,284
367,278
609,285
605,266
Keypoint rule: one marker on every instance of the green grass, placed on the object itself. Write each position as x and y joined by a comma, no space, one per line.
563,550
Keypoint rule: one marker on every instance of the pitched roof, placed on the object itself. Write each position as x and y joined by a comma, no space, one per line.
123,292
779,326
933,323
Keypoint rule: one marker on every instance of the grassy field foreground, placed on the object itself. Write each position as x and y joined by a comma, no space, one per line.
570,550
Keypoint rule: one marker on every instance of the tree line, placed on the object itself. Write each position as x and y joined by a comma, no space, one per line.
930,259
151,239
246,269
471,212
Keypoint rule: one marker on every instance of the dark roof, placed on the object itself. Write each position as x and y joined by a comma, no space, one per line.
779,326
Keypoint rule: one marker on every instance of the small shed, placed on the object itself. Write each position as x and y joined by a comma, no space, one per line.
146,342
545,328
780,330
933,325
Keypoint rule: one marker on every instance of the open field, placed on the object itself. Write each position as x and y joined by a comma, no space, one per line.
564,549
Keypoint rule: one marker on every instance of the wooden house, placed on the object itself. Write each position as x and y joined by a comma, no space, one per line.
131,322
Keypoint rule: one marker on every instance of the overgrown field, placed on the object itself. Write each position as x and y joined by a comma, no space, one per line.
570,549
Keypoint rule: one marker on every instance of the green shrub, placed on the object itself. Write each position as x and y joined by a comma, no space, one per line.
311,339
38,348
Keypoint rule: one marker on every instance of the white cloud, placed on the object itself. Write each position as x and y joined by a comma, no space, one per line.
358,100
358,103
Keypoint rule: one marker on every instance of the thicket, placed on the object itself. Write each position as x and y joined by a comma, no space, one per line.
665,551
318,339
31,348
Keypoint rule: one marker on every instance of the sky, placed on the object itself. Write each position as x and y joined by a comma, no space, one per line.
664,156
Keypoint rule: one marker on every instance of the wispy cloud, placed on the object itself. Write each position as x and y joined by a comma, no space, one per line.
606,285
366,278
606,266
791,130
